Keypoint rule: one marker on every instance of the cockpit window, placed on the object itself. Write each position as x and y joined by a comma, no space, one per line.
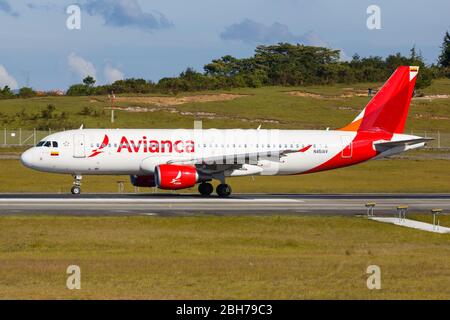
47,144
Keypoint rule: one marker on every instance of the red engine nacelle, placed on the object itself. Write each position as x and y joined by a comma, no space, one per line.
175,177
143,181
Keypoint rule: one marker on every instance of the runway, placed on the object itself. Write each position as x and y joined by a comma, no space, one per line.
238,204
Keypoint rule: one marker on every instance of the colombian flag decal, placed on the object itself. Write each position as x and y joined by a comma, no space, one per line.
54,154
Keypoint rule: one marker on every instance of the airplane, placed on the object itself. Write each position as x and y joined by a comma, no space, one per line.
174,159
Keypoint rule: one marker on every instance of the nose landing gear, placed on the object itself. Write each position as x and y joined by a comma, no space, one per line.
76,188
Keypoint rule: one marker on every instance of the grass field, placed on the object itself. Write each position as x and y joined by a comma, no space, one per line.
272,107
398,176
247,257
205,257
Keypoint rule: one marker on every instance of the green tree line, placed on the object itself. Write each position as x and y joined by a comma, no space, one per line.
282,64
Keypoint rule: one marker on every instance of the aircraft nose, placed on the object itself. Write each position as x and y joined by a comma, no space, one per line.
27,158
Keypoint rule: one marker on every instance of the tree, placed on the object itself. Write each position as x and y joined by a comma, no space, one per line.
78,90
89,81
426,76
444,58
26,92
6,93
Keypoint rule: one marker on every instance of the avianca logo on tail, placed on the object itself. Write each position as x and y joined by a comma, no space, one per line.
176,180
99,150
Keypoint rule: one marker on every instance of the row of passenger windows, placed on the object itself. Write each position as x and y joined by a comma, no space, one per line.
54,144
47,144
217,145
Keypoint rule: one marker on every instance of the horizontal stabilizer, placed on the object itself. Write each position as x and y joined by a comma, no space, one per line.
391,144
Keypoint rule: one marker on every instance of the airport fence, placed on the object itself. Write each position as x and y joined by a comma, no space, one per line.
441,139
25,137
22,137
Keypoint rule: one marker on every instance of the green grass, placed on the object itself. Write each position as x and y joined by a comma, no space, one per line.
398,176
439,86
258,105
208,257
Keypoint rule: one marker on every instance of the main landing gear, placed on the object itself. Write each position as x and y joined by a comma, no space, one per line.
206,189
76,188
223,190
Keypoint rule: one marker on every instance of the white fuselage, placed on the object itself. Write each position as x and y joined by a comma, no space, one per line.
139,151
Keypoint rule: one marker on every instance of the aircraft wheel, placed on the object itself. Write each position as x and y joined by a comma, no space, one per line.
205,189
223,190
76,190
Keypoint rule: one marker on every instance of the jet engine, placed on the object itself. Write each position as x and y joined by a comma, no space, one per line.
175,177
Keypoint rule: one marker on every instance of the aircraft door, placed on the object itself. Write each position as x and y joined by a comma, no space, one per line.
79,146
347,147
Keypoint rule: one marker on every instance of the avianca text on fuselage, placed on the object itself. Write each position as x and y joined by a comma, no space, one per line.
155,146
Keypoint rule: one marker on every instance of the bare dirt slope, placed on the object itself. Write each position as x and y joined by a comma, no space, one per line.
175,101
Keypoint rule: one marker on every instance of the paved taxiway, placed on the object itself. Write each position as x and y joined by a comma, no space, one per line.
238,204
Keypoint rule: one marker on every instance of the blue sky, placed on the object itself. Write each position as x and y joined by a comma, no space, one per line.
158,38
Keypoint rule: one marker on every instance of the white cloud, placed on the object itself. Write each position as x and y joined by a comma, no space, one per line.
6,79
81,67
113,74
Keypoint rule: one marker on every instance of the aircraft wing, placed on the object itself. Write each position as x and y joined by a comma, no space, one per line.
239,158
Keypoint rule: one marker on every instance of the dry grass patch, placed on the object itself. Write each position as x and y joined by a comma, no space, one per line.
247,257
175,101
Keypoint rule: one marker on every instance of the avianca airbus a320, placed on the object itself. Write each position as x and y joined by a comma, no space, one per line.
179,159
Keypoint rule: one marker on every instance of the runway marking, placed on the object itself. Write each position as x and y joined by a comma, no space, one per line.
412,224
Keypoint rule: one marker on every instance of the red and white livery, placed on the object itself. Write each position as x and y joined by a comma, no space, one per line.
179,159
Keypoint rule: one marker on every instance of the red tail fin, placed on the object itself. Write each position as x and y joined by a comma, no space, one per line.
387,111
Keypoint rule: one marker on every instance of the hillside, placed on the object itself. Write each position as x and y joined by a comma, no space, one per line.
311,107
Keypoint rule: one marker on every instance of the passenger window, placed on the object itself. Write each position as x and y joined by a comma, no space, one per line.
55,144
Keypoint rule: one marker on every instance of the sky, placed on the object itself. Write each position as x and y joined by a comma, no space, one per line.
152,39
